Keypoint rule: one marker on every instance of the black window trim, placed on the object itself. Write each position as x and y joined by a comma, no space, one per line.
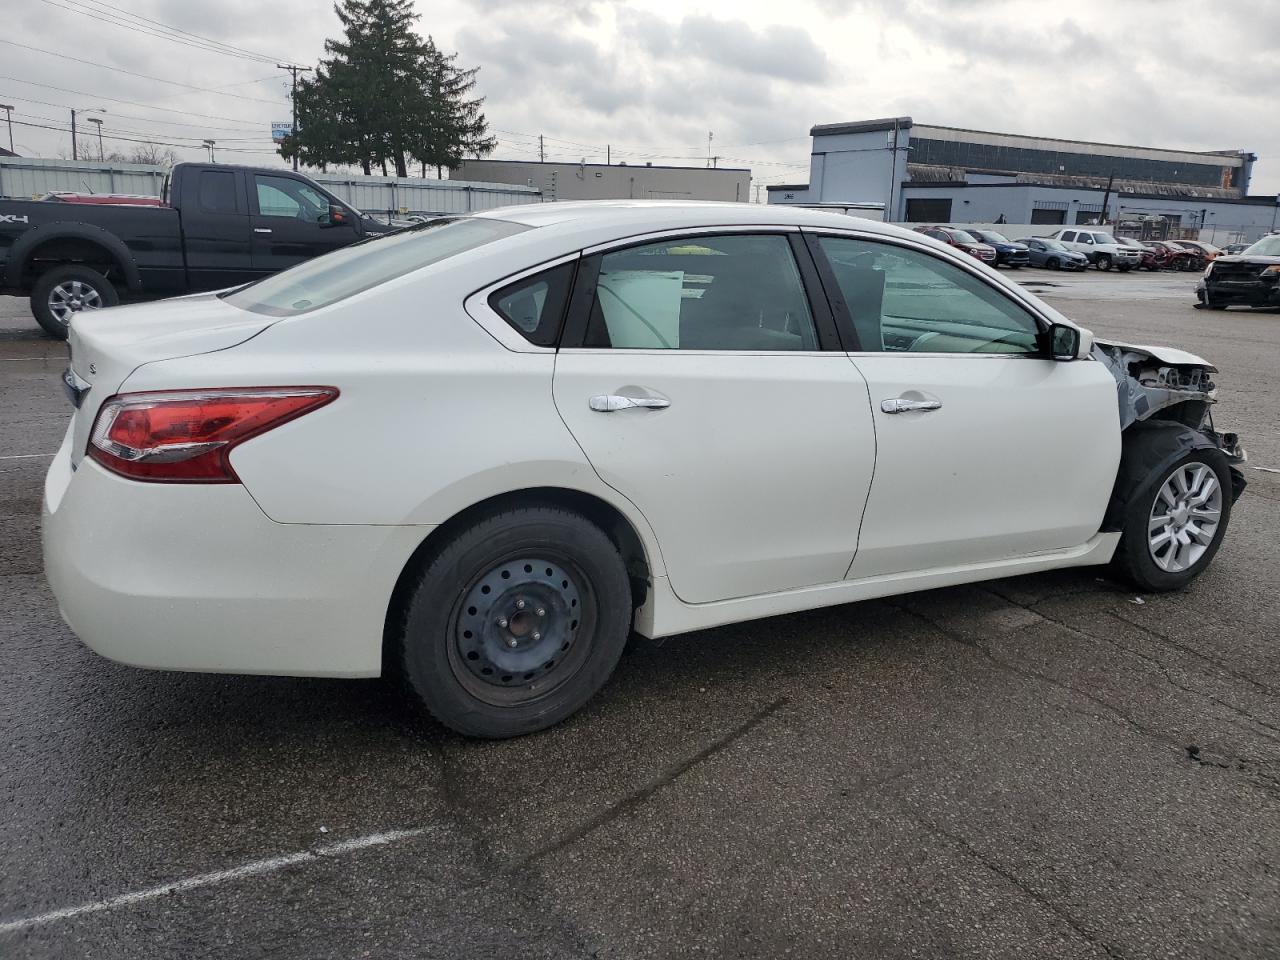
844,321
582,297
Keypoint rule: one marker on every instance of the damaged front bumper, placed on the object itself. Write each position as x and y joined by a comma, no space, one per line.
1170,391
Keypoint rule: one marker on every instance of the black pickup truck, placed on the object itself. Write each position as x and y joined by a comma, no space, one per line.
216,226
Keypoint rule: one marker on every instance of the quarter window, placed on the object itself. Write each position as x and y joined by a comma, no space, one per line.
738,292
907,300
535,305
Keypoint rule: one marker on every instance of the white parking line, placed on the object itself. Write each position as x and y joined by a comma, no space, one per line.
28,456
209,879
1267,469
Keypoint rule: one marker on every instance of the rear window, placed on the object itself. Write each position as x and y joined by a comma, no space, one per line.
335,276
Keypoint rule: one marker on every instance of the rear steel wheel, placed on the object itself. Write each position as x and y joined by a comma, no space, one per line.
514,622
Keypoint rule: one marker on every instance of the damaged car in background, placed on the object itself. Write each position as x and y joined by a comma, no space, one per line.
1249,279
477,453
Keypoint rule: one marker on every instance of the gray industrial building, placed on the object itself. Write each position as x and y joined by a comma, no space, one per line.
617,181
949,175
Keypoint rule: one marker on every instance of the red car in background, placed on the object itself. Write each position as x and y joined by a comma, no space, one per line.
962,240
1169,256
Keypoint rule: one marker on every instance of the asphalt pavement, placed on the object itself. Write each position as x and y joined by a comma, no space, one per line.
1045,766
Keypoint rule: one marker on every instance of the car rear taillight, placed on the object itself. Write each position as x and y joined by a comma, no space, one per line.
186,436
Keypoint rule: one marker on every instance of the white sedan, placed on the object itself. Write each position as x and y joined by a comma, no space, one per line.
478,452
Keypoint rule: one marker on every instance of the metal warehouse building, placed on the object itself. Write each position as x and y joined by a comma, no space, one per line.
949,175
617,181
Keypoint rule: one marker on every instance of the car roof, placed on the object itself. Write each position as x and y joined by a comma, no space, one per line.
625,217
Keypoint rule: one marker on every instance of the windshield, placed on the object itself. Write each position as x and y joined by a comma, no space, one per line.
1053,244
992,237
961,236
1266,247
350,270
1103,238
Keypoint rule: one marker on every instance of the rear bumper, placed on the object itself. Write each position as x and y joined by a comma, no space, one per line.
196,577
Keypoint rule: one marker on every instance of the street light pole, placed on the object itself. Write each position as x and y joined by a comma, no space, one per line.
209,144
98,121
73,136
8,109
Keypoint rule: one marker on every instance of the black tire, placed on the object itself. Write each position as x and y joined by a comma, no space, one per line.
1133,558
1052,263
457,660
98,290
1124,268
1103,262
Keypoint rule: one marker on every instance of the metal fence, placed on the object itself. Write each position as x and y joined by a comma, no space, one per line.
23,178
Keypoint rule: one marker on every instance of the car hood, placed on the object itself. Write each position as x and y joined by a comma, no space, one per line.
1242,258
1167,355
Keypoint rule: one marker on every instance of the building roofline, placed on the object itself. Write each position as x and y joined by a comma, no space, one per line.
860,126
1233,154
1263,200
604,166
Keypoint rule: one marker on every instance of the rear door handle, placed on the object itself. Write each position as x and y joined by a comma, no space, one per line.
261,229
612,402
899,405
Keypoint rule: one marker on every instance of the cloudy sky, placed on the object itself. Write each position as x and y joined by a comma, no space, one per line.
652,78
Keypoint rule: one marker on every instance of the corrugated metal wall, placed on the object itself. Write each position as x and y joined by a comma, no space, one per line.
22,178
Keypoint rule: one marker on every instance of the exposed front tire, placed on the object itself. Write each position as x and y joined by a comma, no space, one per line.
1175,524
516,622
59,294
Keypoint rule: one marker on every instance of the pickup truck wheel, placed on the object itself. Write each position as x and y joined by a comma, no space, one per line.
59,294
1103,262
1124,268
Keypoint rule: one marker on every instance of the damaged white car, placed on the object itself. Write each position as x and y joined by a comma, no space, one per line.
478,452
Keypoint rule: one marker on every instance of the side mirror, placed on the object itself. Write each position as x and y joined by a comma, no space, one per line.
337,217
1066,342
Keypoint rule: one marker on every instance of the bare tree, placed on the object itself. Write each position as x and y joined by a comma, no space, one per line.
153,154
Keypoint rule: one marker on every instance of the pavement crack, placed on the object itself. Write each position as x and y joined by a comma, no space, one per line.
1023,887
634,799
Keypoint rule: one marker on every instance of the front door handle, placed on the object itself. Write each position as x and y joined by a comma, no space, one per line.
612,402
261,229
899,405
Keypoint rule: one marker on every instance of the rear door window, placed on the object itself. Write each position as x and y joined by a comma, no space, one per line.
733,292
217,193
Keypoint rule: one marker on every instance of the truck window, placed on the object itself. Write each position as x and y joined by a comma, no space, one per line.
218,191
285,197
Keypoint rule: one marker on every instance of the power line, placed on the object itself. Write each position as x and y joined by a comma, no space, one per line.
132,103
141,76
158,143
133,116
137,23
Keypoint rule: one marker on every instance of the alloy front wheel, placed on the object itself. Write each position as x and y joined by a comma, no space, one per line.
1185,517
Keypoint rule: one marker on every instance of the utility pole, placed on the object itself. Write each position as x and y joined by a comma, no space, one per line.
542,156
608,148
8,109
73,136
710,137
1106,199
294,70
209,144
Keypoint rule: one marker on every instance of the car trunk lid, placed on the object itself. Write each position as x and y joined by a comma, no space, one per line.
106,346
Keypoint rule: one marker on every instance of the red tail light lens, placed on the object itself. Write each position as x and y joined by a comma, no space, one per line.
186,436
